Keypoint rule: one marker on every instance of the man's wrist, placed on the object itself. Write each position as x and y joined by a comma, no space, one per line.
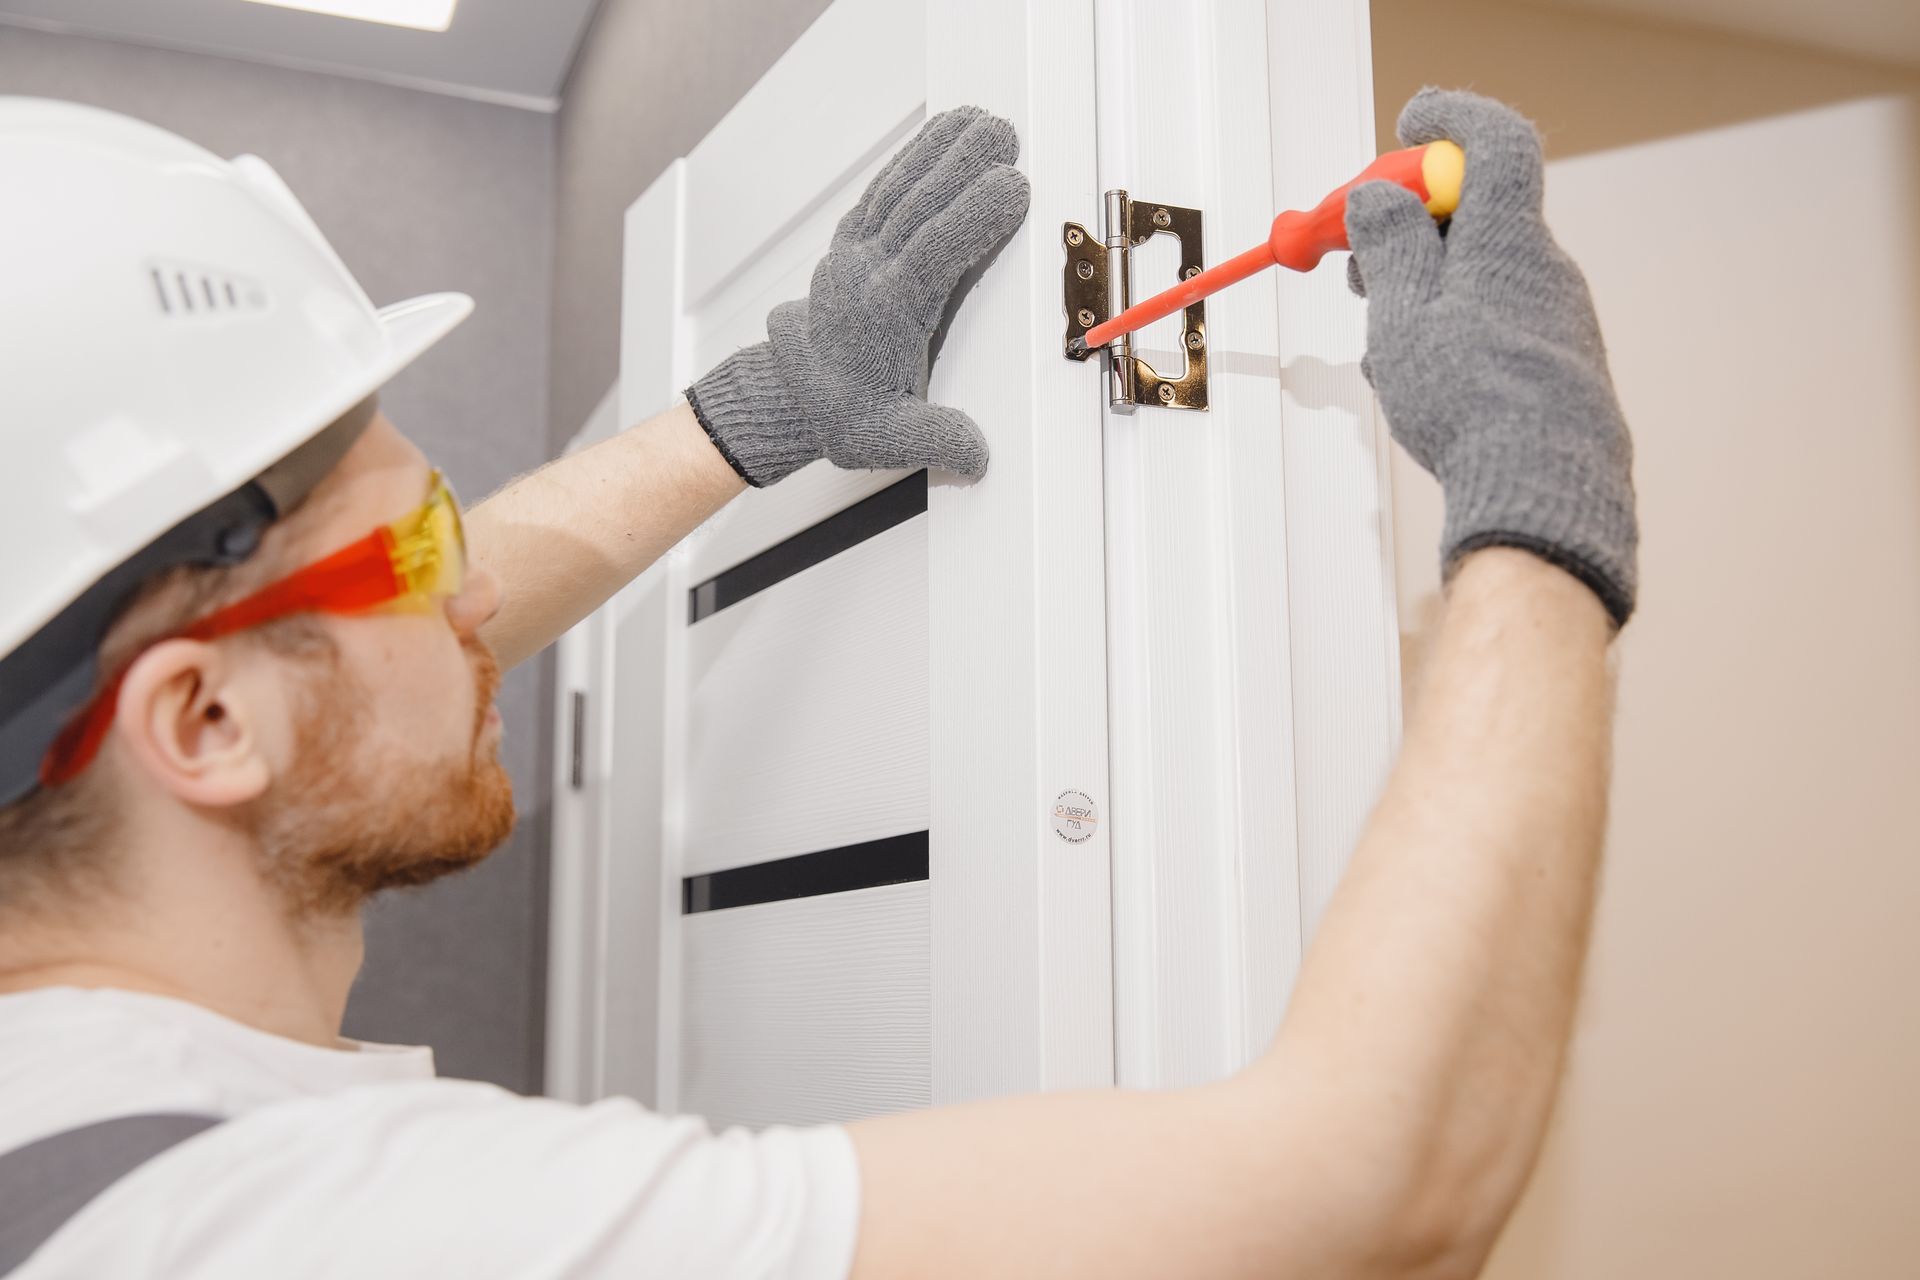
1570,505
707,468
747,412
1504,569
1605,589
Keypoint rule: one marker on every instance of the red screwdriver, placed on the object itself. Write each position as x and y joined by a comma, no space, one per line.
1299,240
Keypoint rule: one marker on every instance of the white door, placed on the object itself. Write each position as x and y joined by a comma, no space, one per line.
906,790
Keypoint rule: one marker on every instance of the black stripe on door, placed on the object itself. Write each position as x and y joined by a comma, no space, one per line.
867,518
893,860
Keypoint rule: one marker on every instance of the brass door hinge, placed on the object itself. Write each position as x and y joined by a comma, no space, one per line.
1099,285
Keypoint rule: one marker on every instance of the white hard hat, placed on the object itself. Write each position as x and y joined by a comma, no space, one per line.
176,338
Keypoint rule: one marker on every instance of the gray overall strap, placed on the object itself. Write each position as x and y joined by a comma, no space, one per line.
45,1183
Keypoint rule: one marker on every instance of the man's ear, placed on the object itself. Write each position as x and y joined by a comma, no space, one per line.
186,720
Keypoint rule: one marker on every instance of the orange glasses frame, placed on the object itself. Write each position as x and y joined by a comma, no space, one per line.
421,556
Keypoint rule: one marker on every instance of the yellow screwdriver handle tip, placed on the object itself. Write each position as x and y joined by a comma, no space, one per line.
1444,167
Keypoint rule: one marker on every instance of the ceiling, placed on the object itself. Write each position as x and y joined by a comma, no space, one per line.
1876,30
511,51
518,51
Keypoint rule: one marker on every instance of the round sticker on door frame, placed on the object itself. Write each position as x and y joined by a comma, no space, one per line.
1075,817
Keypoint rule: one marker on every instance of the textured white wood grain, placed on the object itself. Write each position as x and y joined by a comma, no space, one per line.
1233,811
807,1011
760,519
650,291
1022,946
639,621
1206,913
577,835
823,111
730,231
807,709
734,314
635,1049
1344,620
577,842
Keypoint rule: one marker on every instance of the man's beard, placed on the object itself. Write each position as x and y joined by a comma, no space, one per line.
343,824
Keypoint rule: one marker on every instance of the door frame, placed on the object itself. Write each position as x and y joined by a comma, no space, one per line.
1253,659
579,848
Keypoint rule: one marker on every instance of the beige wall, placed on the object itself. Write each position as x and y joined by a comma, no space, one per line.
1744,1097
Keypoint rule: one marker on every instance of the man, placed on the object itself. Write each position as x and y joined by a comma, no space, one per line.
247,679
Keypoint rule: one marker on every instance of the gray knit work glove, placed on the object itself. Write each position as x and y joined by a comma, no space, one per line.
1484,350
843,374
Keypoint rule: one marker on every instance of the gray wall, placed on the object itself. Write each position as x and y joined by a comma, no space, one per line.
418,192
421,192
651,78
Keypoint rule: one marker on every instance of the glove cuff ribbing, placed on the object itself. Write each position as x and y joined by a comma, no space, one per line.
1588,533
746,410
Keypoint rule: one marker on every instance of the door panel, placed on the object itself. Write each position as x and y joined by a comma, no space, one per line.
794,661
732,312
807,709
807,1011
830,109
772,515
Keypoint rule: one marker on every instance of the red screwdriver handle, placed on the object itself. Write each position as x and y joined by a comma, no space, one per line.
1433,172
1300,240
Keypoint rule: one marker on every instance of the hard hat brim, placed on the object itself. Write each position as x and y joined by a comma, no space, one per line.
416,324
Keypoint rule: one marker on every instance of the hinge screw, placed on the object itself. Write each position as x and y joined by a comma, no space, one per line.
1191,272
1166,393
1076,237
1084,269
1086,317
1162,219
1195,341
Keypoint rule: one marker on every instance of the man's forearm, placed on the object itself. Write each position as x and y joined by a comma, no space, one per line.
1435,1003
564,538
1390,1128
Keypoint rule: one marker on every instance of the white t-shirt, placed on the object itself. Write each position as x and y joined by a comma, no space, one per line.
359,1163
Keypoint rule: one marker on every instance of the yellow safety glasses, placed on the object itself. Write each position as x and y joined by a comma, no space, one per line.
417,560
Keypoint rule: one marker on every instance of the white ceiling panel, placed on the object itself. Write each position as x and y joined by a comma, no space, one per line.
513,51
1877,30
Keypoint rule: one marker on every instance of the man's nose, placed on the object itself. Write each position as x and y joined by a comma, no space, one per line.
478,601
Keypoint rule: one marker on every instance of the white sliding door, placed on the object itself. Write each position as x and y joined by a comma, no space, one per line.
912,790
